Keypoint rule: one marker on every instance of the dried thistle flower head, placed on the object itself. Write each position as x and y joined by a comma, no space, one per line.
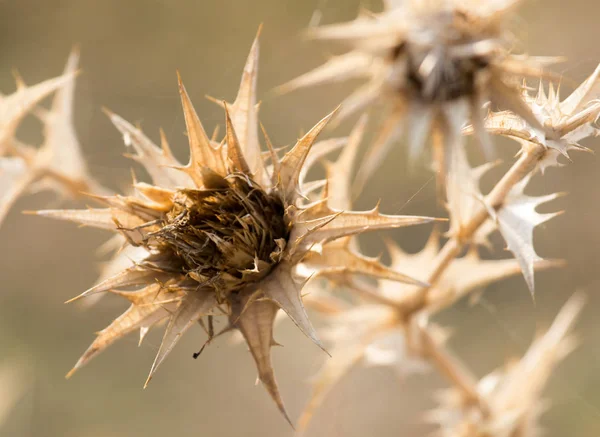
510,398
56,165
223,235
434,64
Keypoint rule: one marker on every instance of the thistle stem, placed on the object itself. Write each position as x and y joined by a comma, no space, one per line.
448,365
526,163
452,369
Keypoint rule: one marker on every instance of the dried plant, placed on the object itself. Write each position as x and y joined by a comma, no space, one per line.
223,235
240,230
394,319
432,64
58,163
508,399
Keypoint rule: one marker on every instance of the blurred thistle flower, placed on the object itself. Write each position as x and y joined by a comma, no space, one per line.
58,164
434,64
224,234
510,403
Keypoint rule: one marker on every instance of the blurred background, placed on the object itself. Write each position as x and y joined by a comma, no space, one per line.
129,54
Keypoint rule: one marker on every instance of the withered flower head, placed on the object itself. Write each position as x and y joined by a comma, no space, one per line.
433,63
222,235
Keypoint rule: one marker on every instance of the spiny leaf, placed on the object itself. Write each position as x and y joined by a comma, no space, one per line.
255,322
337,68
463,276
61,150
15,178
58,164
105,218
527,379
387,135
464,195
194,305
234,149
135,275
341,259
359,100
244,113
293,161
516,220
147,308
282,289
15,106
202,152
339,174
365,31
317,154
159,164
515,390
346,223
587,92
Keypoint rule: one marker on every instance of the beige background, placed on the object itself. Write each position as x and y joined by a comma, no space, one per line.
130,51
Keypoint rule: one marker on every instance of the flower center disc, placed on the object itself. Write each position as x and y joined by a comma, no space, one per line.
227,234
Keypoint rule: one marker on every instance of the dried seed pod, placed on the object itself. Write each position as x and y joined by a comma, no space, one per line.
222,235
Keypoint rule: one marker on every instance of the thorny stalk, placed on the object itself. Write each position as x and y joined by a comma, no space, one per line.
448,364
452,369
526,163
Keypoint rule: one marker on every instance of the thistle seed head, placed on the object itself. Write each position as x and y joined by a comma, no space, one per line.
433,66
439,61
224,234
